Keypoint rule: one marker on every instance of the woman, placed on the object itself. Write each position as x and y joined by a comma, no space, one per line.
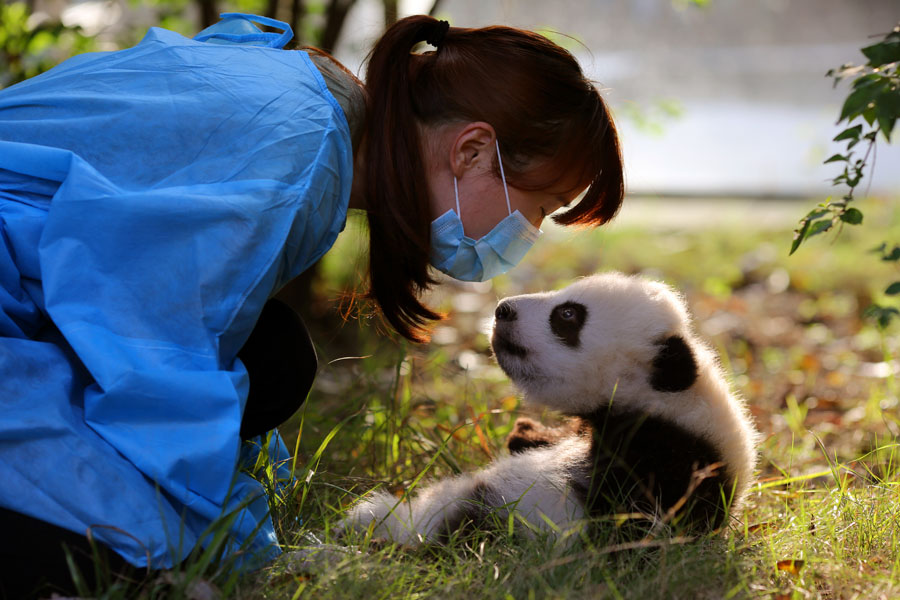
153,199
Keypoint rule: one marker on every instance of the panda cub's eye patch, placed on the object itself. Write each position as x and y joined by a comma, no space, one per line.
566,322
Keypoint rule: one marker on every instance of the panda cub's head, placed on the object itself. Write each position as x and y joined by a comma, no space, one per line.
603,335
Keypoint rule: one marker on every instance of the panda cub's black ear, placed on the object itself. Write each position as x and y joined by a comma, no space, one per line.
674,368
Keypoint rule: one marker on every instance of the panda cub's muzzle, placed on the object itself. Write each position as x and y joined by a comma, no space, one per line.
503,338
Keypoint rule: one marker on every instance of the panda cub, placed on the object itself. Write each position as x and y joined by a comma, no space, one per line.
654,428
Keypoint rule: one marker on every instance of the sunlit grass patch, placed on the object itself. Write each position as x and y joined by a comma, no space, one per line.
840,527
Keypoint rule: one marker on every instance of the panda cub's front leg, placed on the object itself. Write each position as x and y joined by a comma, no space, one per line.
534,484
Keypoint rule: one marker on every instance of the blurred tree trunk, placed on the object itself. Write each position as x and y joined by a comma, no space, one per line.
209,14
390,12
272,9
276,10
335,15
298,11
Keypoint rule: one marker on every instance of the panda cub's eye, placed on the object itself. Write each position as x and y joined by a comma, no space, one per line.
566,321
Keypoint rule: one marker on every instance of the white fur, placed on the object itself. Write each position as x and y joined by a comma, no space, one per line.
626,319
532,484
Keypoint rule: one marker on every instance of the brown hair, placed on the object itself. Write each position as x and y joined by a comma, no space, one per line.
551,123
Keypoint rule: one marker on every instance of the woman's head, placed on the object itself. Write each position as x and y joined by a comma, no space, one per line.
437,115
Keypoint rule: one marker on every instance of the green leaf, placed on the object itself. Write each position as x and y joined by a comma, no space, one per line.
799,235
882,53
819,227
869,115
817,213
893,289
886,126
887,110
836,158
888,103
893,256
852,132
867,80
858,101
881,314
852,216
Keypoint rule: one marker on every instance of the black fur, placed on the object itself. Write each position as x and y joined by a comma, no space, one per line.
566,322
646,464
674,367
501,344
528,434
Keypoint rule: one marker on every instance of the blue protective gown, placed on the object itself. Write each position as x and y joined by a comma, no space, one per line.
151,201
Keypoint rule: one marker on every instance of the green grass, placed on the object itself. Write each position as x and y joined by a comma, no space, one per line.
817,376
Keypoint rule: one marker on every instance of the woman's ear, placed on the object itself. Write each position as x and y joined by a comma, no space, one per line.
472,147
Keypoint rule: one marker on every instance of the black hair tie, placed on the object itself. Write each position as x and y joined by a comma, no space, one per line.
438,33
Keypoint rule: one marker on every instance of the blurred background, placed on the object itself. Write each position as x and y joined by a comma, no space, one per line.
713,97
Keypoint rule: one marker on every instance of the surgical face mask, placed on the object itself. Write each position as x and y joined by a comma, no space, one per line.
461,257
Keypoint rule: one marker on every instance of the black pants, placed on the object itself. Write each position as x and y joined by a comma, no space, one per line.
282,363
281,360
33,559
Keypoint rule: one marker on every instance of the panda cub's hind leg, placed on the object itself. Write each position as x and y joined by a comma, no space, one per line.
528,434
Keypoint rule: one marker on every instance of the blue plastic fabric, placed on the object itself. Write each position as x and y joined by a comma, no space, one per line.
151,200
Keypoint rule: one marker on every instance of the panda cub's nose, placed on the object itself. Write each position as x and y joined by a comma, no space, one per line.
505,312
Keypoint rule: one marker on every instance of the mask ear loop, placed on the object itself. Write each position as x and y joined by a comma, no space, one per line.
502,176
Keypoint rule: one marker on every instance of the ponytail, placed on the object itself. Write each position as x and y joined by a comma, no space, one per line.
396,187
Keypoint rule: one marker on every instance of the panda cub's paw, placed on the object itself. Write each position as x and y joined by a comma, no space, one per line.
431,515
379,510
